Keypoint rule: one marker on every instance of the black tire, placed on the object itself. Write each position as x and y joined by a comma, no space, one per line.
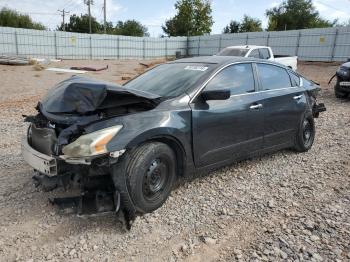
338,93
151,173
306,134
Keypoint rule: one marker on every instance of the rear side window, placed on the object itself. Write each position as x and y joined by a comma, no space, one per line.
264,53
254,53
273,77
238,78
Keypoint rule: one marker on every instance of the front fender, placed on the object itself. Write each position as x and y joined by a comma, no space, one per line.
144,126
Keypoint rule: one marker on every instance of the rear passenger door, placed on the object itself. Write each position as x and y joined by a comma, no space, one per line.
284,104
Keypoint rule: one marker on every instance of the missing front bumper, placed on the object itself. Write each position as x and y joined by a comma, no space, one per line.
89,203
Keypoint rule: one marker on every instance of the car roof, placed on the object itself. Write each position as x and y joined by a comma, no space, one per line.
219,60
245,46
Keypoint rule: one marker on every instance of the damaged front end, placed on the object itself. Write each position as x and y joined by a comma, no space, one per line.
64,154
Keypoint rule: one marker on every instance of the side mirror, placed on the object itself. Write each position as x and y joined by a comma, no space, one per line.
223,94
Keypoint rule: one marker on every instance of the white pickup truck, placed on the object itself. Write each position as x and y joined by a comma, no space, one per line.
262,52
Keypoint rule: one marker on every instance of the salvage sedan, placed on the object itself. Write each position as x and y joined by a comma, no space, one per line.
126,146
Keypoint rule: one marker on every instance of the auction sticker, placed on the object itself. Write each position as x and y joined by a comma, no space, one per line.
196,68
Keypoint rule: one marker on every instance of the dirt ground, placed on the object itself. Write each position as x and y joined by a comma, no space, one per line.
284,206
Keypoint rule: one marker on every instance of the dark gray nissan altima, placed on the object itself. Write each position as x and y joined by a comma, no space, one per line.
126,146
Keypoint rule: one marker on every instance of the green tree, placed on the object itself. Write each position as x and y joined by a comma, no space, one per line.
130,28
193,17
80,24
232,27
12,18
250,24
295,14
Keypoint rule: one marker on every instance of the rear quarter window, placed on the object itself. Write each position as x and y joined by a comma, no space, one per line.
306,83
295,79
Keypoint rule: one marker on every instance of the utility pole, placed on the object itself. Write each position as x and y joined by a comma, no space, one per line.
63,16
89,3
104,17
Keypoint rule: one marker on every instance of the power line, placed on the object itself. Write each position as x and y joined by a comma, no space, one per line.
69,2
74,5
39,13
330,6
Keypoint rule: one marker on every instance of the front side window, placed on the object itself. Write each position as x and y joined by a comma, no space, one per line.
273,77
239,79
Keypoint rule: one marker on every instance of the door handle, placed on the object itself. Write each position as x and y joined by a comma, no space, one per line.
256,106
297,97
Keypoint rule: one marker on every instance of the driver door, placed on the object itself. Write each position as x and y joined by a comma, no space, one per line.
232,128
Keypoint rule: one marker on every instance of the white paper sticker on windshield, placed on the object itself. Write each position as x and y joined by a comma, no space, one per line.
196,68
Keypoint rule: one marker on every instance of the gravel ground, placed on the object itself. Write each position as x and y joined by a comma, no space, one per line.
284,206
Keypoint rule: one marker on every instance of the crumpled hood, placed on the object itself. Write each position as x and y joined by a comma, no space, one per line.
82,95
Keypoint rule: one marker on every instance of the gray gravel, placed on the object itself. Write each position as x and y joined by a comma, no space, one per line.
283,206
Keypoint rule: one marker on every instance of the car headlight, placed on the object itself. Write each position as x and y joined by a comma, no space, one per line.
91,144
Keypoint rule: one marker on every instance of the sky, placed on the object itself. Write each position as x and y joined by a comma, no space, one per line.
153,13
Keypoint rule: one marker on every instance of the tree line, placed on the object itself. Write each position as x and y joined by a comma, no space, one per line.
77,23
192,18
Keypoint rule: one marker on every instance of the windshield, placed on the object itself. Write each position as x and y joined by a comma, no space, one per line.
169,80
233,52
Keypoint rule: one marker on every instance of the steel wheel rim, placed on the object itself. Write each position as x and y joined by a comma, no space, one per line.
155,179
307,131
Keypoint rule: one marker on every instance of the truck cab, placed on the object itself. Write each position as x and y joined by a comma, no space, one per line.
261,52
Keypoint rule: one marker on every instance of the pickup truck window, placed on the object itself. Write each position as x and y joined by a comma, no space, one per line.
273,77
238,78
233,52
264,53
254,53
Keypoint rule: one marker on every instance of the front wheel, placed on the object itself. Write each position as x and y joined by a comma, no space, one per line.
151,173
305,135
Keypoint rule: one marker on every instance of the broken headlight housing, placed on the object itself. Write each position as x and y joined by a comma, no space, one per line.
91,144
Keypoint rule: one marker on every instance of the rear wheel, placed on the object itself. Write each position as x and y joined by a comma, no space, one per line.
305,135
151,173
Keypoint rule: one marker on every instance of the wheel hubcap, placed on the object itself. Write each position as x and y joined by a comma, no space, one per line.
155,178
